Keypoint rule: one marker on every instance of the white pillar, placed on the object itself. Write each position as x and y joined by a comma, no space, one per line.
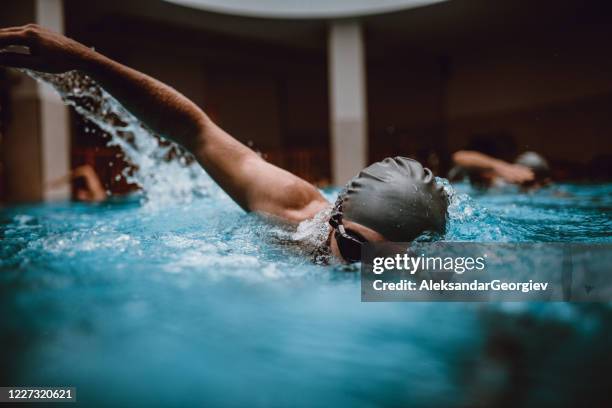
37,142
347,90
54,126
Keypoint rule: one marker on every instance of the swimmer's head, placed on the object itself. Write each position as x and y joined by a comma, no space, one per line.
396,199
537,164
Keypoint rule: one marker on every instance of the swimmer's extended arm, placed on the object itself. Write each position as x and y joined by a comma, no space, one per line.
513,173
253,183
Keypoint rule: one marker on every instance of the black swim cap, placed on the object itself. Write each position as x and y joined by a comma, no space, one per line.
397,198
536,163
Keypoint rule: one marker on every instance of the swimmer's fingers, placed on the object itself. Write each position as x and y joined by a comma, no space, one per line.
24,35
12,38
515,173
523,173
9,29
522,176
45,50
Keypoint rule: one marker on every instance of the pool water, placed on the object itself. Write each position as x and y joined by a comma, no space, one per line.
201,304
178,298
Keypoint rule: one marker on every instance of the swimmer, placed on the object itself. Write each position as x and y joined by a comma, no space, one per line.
396,199
529,171
91,190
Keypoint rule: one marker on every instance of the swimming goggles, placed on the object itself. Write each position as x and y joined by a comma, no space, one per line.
349,242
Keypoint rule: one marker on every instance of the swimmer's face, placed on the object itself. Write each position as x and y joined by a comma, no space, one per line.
369,234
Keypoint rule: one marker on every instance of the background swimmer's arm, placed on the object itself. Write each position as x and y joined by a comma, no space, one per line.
93,184
253,183
95,189
513,173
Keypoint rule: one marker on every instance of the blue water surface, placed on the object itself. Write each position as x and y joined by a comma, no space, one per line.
201,304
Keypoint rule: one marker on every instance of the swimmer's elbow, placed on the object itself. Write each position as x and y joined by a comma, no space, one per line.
304,200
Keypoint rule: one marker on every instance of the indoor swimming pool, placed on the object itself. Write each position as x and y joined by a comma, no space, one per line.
179,298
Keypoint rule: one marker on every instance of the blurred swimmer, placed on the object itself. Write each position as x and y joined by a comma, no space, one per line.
88,186
530,170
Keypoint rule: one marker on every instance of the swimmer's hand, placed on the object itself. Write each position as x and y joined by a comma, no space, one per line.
513,173
41,50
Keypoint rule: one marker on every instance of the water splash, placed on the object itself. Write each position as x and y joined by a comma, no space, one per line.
469,220
312,234
166,173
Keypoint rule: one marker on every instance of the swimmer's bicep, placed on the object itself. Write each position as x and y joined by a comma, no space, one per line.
255,184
